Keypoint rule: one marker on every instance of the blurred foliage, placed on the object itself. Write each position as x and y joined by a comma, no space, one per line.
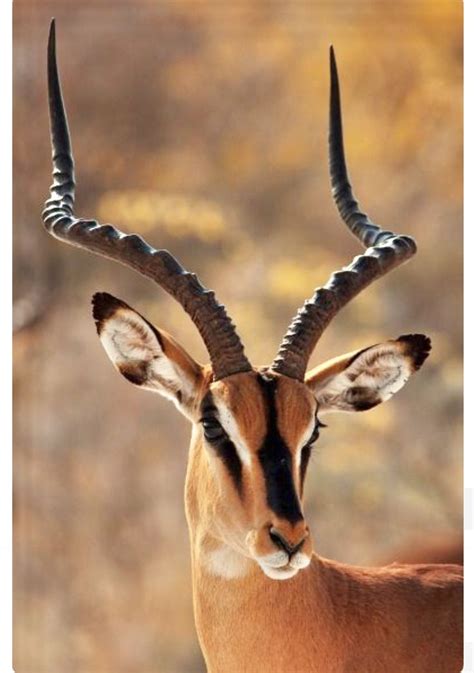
202,125
177,216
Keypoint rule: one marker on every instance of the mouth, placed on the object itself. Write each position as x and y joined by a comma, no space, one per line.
283,573
284,569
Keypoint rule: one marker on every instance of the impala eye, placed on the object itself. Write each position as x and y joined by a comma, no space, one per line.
315,434
213,430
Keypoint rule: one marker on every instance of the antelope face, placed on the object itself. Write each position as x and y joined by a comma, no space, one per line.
253,431
258,429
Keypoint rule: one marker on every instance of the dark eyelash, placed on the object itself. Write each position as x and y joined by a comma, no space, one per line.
315,434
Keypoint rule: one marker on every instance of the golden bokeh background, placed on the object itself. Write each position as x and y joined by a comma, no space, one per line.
202,125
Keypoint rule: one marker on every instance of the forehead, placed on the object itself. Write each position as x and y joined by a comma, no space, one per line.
255,400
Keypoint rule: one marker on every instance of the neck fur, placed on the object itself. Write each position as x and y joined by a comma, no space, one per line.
232,597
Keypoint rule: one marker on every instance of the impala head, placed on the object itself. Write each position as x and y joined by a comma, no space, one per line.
254,428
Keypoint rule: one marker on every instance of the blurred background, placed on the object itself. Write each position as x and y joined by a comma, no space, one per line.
202,126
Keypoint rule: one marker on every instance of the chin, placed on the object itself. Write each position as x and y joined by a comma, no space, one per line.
283,573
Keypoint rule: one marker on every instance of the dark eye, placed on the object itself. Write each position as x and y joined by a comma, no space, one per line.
315,434
213,430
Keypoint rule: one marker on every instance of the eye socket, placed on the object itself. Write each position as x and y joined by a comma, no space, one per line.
213,430
315,434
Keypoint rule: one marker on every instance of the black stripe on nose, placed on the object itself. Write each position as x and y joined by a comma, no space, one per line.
276,461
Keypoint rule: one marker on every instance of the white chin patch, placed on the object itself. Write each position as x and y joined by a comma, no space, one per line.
276,560
300,561
284,573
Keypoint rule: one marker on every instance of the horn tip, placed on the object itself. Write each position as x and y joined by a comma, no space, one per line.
52,37
332,58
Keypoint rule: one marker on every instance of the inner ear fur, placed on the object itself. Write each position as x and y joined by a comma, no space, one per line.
362,379
146,356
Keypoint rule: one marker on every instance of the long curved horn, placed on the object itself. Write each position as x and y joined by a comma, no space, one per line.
224,346
387,251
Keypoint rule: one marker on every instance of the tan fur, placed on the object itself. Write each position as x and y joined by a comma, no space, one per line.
332,618
329,618
316,616
242,396
296,408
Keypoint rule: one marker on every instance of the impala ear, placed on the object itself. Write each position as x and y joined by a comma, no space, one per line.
361,380
145,356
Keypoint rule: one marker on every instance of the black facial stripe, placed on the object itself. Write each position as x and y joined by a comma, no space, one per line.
307,448
208,408
224,447
227,453
304,460
276,460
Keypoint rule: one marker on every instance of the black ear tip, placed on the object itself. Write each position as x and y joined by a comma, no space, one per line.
417,346
104,306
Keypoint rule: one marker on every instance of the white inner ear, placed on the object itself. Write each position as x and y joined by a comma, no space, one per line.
126,337
130,342
382,370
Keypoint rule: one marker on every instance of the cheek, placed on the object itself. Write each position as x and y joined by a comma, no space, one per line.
227,466
240,508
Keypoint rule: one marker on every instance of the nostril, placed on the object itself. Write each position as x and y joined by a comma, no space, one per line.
280,541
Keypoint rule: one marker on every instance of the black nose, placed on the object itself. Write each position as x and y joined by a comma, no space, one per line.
280,541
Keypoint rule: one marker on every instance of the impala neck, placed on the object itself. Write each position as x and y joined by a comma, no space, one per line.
234,601
329,617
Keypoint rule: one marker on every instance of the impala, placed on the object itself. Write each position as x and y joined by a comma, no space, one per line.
264,602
